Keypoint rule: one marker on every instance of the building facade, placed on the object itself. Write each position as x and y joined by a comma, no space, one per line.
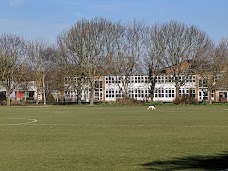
24,92
111,88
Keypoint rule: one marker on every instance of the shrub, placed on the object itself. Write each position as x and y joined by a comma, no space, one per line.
3,102
185,100
127,101
50,98
29,98
17,103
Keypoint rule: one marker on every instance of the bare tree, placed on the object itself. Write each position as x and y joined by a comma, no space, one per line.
222,53
52,74
215,72
69,62
39,63
180,47
152,59
83,46
127,52
12,70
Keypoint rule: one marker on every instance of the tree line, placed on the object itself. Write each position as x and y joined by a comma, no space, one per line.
97,47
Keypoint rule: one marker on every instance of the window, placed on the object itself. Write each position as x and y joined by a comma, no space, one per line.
156,93
139,93
146,79
169,92
190,92
168,79
109,80
142,79
159,92
96,95
75,80
147,93
136,79
202,82
161,79
142,93
191,79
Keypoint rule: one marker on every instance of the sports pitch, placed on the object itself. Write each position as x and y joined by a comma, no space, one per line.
113,138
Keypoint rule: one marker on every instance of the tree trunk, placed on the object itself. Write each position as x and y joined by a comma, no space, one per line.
92,97
8,98
37,97
79,96
152,87
44,92
79,91
92,93
177,91
152,93
209,95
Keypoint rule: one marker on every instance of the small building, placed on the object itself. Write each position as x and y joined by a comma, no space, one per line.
26,91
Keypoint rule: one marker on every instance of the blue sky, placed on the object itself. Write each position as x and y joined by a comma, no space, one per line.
47,18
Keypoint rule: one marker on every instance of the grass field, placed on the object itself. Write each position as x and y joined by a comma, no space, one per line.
113,138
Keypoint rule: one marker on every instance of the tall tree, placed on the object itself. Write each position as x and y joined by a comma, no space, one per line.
222,53
69,63
12,70
215,72
127,52
152,59
52,77
39,62
180,47
83,46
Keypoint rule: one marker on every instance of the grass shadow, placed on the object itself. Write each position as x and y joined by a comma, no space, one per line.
207,163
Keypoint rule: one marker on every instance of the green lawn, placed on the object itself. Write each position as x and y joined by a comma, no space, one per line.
113,138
